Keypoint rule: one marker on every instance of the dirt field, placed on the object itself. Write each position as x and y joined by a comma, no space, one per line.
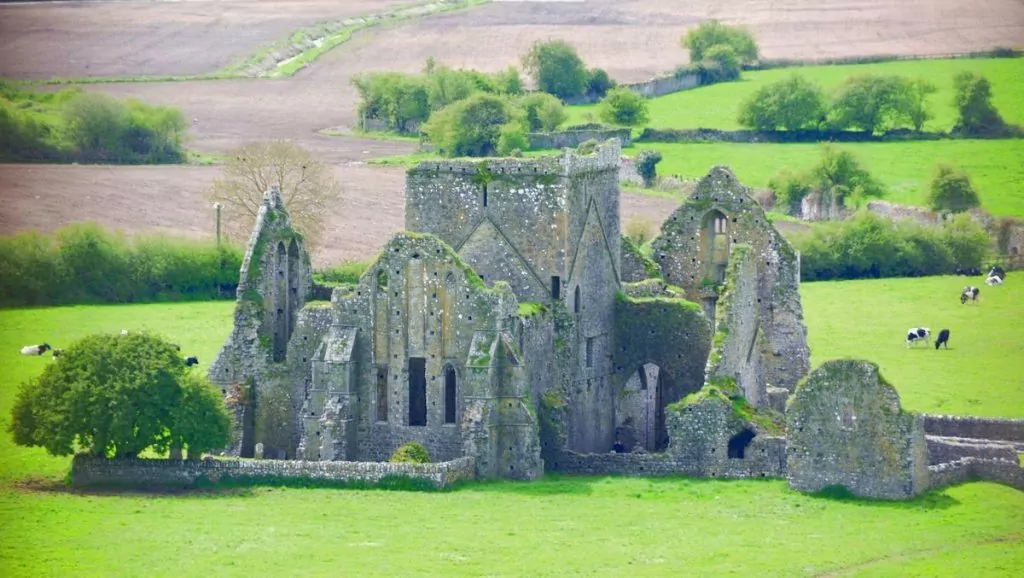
633,40
72,39
171,200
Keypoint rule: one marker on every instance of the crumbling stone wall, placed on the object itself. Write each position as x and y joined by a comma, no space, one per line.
672,334
635,265
693,251
274,284
962,426
972,469
574,138
846,427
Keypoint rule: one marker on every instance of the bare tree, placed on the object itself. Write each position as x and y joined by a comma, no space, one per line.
307,186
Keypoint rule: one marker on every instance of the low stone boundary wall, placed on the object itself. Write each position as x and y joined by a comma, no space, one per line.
974,427
975,469
944,450
88,471
574,138
661,464
651,88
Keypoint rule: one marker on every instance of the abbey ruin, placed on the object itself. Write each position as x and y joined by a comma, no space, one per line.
511,330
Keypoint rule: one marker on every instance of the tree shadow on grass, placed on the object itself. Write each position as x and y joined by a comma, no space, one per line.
936,499
55,486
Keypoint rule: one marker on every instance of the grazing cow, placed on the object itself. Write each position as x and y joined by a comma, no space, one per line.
35,349
969,293
943,339
994,280
997,271
191,360
916,334
56,353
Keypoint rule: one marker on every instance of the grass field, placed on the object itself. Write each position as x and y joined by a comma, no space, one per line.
996,167
717,106
558,526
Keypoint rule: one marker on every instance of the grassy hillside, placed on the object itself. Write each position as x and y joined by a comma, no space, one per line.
559,526
996,167
717,106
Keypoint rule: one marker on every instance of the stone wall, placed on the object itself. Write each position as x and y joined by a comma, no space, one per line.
973,469
845,427
635,265
904,213
574,138
693,251
137,472
658,86
943,450
986,428
666,464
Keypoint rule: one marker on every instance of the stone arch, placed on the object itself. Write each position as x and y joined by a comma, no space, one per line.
294,301
640,411
739,443
714,245
280,312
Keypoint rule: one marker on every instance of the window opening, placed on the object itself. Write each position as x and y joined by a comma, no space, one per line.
449,394
417,391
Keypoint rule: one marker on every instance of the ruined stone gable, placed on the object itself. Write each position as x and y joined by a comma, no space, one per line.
846,428
694,250
274,284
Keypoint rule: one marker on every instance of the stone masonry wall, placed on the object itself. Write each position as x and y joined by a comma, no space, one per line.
693,251
574,138
973,469
137,472
845,427
943,450
974,427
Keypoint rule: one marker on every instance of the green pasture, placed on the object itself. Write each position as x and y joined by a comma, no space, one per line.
717,106
558,526
996,167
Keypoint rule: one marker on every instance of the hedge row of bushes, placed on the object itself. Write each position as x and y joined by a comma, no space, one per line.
83,263
868,246
72,125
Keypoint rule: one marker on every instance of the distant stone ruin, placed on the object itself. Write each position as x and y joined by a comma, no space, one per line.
511,330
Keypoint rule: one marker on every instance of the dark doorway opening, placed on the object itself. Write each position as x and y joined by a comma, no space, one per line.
449,394
739,442
382,393
556,287
576,301
417,391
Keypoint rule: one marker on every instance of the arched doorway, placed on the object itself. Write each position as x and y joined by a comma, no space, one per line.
639,413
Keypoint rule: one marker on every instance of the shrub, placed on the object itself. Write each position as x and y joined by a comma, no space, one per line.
837,175
789,190
873,103
869,246
793,103
411,453
512,138
712,33
973,101
543,111
624,107
951,191
397,98
556,68
118,395
104,129
347,272
587,147
645,165
508,81
471,127
598,82
308,188
85,264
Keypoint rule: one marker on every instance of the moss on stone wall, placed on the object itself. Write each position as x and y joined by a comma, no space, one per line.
726,390
528,309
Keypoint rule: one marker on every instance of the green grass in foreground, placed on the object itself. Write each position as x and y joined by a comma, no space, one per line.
557,526
982,373
717,106
996,167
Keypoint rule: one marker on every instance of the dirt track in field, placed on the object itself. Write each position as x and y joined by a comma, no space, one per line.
633,40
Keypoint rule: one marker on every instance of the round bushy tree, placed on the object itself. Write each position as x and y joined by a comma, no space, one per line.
117,395
543,111
793,103
471,127
713,33
556,68
411,453
624,107
646,163
975,113
951,191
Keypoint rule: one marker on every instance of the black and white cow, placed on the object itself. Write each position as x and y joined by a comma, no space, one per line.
969,294
35,349
997,271
994,280
191,360
916,334
943,339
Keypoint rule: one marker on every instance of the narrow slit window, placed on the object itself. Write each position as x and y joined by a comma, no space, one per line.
485,195
556,287
382,393
449,394
417,391
576,301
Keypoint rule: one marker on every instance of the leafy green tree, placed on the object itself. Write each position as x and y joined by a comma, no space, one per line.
792,103
398,98
117,395
790,188
915,102
471,127
598,82
950,191
976,114
556,68
511,138
646,165
508,81
543,111
840,174
104,129
873,103
713,33
624,107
